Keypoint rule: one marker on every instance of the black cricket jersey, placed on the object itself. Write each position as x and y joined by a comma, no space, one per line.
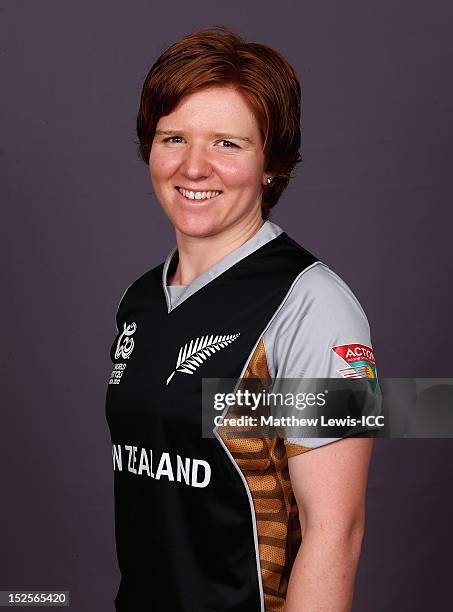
201,524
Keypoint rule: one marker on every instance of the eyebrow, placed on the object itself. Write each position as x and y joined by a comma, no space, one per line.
216,135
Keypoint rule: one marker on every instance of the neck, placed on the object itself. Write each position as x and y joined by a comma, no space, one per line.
198,254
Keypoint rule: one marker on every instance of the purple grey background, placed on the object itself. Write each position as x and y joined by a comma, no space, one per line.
79,223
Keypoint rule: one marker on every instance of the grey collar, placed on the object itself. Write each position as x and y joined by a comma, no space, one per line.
268,231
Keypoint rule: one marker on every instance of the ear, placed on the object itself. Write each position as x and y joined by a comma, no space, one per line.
266,180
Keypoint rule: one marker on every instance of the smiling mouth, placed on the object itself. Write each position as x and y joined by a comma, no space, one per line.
198,195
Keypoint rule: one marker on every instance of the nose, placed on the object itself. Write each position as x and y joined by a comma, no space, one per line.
195,163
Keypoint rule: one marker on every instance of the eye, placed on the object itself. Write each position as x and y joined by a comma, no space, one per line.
230,143
170,138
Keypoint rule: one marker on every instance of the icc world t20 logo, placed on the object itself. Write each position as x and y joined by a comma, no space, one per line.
124,348
125,344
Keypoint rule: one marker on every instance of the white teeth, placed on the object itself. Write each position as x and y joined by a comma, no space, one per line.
198,195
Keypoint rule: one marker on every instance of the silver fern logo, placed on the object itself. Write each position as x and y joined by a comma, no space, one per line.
193,354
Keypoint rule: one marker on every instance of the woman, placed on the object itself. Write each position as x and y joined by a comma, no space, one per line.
230,524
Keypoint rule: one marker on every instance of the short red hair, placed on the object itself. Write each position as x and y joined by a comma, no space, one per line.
216,56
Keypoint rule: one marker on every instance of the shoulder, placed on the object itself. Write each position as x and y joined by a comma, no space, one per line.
138,291
319,313
323,293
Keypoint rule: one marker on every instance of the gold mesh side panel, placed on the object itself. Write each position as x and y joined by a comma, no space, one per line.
295,449
264,464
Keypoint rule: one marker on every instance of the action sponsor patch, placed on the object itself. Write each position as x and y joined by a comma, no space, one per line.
360,360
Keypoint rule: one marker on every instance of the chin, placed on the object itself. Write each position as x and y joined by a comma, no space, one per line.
197,226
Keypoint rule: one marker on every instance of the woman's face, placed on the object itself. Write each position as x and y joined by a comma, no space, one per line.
209,143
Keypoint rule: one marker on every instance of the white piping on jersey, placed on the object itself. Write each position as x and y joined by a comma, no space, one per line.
164,277
255,534
118,307
249,495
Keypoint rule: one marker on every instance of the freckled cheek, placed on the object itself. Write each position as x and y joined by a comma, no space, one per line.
162,167
239,175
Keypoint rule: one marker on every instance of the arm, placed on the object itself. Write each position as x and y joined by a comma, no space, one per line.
329,485
310,338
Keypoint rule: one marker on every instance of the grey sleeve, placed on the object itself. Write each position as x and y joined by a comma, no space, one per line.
320,331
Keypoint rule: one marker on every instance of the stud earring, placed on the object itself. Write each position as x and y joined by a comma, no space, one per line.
269,180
